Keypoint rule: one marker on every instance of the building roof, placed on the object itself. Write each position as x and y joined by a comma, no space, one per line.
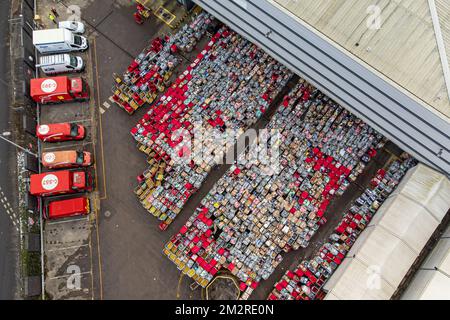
385,251
388,107
432,280
411,47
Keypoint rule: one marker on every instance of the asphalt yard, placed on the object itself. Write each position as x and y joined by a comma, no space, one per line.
118,249
70,244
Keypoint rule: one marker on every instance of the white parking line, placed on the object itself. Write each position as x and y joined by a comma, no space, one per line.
66,221
68,146
68,275
67,248
9,210
77,121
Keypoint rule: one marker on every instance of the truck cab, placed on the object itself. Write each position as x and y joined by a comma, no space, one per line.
79,43
60,132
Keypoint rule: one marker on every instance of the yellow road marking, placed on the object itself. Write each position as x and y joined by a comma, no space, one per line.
156,13
179,284
105,196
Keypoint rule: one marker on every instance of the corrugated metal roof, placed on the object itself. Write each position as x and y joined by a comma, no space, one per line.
432,280
404,49
386,106
443,9
385,251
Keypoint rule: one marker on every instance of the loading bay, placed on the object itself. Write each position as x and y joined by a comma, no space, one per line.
119,247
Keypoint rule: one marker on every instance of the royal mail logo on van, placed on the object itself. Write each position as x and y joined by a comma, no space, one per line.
43,129
48,85
49,157
49,182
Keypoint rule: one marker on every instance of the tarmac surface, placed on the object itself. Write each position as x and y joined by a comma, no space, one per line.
127,260
8,232
132,264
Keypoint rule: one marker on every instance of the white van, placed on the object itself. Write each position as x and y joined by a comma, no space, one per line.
60,63
58,41
74,26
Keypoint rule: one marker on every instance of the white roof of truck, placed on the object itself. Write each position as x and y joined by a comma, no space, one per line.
50,36
54,59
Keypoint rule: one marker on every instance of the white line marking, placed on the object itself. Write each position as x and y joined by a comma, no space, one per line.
67,248
69,146
66,221
68,275
82,120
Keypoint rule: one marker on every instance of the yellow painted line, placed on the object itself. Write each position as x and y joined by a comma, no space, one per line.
391,154
179,285
162,18
93,141
105,196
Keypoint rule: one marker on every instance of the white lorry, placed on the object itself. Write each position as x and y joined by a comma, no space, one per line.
60,63
58,41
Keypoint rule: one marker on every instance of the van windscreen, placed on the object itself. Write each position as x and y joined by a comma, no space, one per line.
77,40
73,130
80,157
73,61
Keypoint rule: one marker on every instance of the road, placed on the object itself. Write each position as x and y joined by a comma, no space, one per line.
8,233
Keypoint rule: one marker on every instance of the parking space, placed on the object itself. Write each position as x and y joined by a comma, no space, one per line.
72,247
70,244
69,259
118,249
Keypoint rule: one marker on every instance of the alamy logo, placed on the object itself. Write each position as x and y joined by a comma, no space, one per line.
373,21
374,279
74,280
213,147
